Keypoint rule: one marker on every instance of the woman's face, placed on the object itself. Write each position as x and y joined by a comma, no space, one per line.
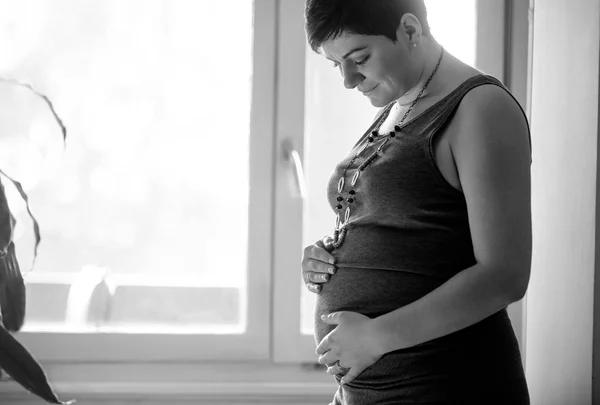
379,68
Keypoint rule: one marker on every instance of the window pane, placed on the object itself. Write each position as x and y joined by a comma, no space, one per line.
460,39
336,118
152,188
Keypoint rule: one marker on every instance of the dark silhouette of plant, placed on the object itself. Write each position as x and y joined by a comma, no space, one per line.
15,359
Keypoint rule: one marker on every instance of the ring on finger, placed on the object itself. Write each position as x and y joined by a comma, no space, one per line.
342,370
337,369
313,287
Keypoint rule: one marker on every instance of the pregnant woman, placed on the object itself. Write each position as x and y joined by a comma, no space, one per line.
432,236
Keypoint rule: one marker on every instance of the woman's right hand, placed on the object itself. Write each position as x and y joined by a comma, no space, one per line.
317,266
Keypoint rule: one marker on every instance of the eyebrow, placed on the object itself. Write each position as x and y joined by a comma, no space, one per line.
360,48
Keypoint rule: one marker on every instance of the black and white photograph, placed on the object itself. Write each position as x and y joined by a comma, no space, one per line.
299,202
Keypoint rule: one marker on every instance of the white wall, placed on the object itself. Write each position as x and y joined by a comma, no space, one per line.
516,48
564,116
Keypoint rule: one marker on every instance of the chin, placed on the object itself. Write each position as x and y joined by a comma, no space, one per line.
378,101
379,97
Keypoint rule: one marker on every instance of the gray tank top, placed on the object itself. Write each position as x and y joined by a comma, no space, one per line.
408,232
404,215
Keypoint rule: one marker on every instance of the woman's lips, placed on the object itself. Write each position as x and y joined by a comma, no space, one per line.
366,93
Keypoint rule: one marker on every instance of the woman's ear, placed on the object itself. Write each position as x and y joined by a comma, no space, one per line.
410,27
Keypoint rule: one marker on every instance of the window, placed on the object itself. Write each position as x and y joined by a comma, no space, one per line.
153,216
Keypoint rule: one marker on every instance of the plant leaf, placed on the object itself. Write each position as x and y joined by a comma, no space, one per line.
56,117
18,185
36,226
17,362
12,291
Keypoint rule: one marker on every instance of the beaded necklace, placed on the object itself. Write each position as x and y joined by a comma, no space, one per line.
340,230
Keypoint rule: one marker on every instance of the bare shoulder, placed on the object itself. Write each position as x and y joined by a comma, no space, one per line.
489,118
489,105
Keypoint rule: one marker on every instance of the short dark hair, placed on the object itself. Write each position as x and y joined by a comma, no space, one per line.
328,19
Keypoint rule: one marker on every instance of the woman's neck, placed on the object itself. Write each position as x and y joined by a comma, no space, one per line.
430,54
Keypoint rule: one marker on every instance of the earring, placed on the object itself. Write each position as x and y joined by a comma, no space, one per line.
414,44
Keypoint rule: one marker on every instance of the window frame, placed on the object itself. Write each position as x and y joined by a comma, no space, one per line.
254,343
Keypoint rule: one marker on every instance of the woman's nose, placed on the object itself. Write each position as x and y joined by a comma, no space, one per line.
351,78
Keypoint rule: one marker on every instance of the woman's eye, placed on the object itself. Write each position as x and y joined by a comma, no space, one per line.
361,62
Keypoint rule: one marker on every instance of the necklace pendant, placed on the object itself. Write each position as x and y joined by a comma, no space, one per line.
340,237
340,185
328,243
346,216
331,243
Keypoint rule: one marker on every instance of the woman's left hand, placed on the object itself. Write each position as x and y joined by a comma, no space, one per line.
354,343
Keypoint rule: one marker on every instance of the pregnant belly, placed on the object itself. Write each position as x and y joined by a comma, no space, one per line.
370,292
432,370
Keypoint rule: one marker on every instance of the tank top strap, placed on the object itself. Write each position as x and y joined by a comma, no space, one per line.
438,115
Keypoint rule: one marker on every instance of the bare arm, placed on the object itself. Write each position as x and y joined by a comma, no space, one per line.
491,150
